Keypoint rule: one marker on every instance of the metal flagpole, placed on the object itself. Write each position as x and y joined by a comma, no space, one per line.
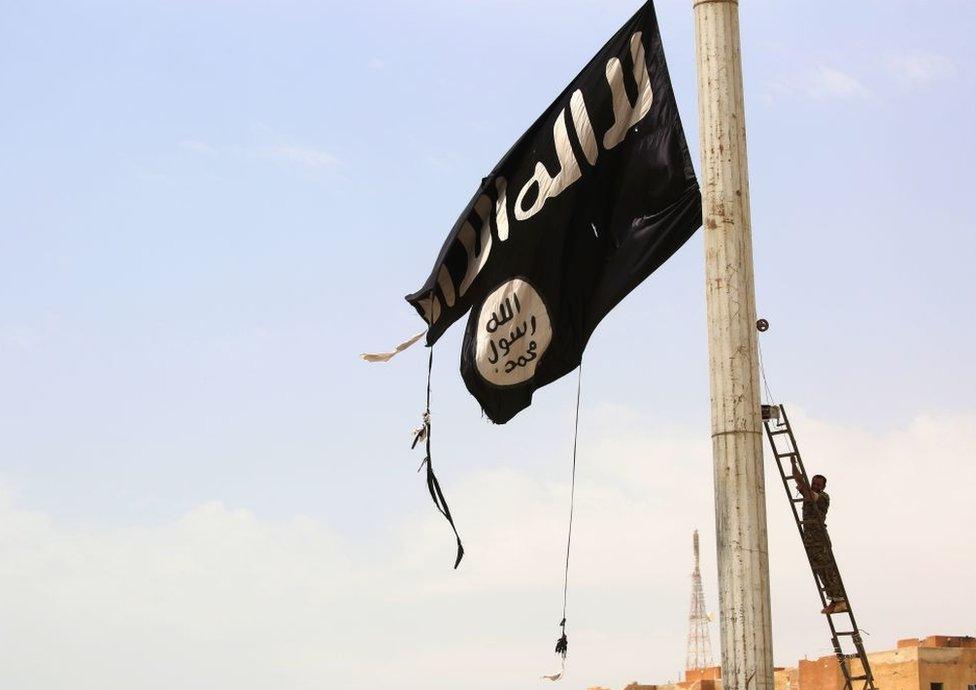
740,505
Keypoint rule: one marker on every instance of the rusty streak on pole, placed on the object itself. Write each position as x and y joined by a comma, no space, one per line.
740,504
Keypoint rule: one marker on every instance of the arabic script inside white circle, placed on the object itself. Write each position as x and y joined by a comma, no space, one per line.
513,333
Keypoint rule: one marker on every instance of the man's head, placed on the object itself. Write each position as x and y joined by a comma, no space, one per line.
818,483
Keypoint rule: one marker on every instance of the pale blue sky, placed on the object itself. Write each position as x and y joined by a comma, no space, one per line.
209,208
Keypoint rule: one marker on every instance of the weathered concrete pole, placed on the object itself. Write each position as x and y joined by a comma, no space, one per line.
740,500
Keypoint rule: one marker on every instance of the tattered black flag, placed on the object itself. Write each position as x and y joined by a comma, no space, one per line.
597,194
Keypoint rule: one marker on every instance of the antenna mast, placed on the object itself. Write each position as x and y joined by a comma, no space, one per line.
699,643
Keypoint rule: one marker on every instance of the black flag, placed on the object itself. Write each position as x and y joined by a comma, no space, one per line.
597,194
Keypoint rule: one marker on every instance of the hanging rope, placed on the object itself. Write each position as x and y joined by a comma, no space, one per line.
433,486
762,372
562,644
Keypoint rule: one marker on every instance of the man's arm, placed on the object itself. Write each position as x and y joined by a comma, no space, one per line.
802,484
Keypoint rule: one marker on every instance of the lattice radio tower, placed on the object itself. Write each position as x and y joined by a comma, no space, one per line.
699,644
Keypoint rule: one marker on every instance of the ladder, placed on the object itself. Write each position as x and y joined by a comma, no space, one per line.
787,454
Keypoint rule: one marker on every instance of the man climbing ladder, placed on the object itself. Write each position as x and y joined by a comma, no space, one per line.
844,632
816,541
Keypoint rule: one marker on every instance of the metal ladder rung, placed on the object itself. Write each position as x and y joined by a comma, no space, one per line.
777,432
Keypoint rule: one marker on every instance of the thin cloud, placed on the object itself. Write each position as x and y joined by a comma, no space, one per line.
313,611
822,82
301,155
294,154
918,68
197,146
830,82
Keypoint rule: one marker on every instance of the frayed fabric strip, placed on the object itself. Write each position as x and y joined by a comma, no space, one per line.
387,356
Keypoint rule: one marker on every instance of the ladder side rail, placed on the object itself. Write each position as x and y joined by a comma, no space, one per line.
797,517
782,472
797,465
789,495
859,646
839,653
842,659
796,447
797,468
782,429
856,638
785,479
796,460
867,677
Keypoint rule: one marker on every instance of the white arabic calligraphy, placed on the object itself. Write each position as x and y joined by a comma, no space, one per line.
513,332
475,236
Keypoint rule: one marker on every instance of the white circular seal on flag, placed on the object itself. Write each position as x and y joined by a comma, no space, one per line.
513,333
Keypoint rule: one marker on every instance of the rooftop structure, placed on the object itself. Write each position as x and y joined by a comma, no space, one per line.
937,662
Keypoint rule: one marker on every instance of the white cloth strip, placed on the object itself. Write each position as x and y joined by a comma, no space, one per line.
387,356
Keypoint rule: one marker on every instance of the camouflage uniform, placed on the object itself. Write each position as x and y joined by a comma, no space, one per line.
817,544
